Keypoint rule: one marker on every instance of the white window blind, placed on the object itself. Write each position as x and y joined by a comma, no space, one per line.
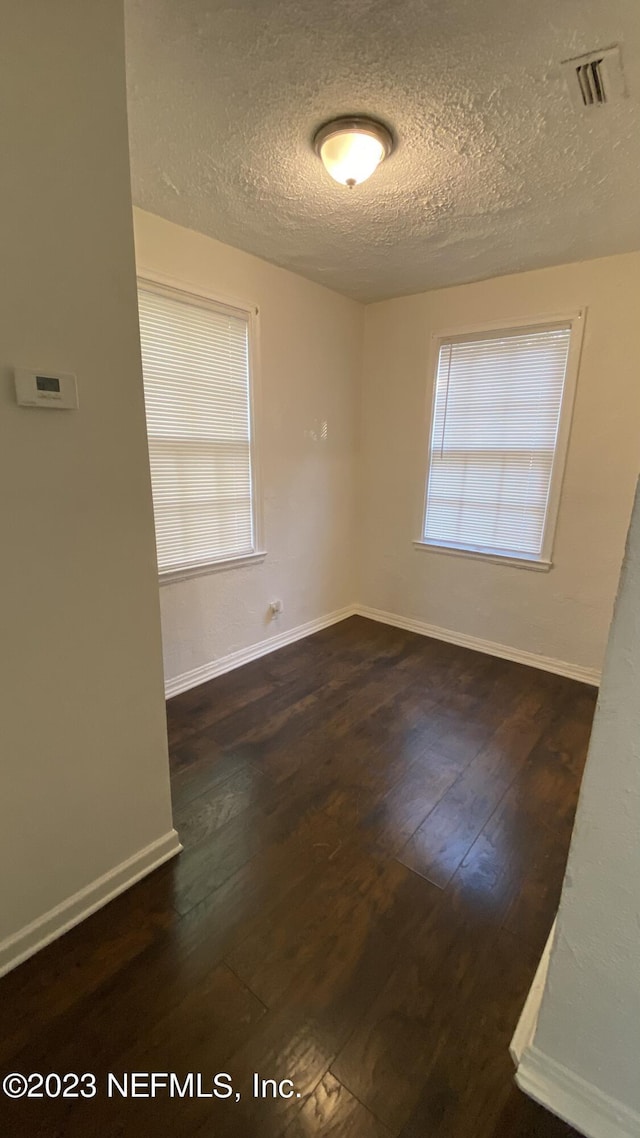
195,363
496,416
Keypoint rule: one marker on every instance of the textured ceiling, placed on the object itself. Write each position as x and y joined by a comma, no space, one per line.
495,171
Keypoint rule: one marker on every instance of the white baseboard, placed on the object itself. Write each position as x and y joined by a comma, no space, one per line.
526,1027
29,940
217,667
546,663
579,1103
200,675
555,1086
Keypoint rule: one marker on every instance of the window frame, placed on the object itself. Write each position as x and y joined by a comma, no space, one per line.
188,292
576,321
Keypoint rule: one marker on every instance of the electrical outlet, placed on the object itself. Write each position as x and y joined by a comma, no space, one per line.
275,608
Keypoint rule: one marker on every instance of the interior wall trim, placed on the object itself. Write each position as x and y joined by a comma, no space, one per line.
490,647
233,660
578,1102
30,939
526,1027
204,672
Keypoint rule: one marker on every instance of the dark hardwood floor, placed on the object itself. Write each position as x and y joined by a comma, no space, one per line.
375,827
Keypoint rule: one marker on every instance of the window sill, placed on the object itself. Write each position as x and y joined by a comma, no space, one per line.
538,565
172,575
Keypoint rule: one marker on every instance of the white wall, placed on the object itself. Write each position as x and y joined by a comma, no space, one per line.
310,346
563,614
584,1062
82,731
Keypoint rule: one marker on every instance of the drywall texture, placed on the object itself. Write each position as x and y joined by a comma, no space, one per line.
310,346
225,99
590,1015
563,614
82,733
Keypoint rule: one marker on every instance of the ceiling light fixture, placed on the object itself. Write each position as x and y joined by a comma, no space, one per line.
352,148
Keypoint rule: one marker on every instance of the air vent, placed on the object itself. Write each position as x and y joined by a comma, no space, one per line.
596,79
591,83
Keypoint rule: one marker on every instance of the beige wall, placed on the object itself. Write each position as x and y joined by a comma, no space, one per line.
563,614
82,731
584,1061
310,345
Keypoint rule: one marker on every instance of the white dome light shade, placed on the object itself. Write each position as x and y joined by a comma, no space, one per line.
351,149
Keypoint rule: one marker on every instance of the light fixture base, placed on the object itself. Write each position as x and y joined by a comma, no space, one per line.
361,124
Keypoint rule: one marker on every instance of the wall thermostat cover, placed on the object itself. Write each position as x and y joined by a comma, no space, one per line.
53,389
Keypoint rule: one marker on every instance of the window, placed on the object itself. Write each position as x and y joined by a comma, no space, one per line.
499,430
196,369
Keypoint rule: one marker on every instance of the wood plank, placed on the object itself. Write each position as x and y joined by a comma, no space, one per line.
439,846
470,1074
298,935
331,1112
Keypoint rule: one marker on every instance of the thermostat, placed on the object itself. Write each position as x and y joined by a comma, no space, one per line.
54,389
